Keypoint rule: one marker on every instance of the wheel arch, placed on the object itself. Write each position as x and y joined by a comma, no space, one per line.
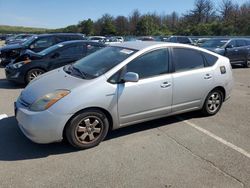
107,113
29,69
222,89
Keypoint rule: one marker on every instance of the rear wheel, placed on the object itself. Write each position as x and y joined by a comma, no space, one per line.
33,73
87,129
213,103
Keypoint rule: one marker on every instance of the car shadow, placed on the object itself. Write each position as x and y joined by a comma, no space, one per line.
5,84
14,146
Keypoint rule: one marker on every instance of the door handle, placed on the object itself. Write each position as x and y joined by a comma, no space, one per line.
165,85
236,50
208,76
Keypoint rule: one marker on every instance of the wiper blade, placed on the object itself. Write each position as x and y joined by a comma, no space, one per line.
82,74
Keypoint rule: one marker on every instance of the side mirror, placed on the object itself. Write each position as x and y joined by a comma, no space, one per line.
131,77
32,46
55,55
229,46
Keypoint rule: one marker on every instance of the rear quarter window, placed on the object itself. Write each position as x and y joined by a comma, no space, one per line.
210,59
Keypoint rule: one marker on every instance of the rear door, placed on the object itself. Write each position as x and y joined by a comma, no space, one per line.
151,96
232,51
191,79
241,46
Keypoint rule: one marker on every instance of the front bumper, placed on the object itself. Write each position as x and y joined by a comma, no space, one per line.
40,127
14,75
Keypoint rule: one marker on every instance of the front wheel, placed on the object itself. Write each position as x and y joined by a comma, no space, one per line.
213,103
32,74
247,65
87,129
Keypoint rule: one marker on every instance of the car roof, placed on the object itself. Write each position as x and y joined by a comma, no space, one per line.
140,45
80,41
58,34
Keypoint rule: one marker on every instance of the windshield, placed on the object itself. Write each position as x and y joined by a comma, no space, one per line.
214,43
50,49
29,41
102,61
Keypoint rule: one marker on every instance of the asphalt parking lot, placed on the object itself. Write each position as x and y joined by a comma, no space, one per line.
181,151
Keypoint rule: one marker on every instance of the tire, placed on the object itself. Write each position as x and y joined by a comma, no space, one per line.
87,129
213,103
32,74
247,64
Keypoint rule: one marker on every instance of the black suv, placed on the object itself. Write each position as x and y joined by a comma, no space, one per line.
180,39
30,65
236,49
36,43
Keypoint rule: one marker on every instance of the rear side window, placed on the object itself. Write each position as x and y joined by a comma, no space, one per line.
187,59
210,59
151,64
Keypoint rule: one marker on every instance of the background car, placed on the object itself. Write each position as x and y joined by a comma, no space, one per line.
236,49
36,43
96,39
180,39
30,65
121,85
18,39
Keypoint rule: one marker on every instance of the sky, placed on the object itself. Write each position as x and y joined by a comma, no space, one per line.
61,13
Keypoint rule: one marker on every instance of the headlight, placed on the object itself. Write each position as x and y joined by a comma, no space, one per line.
48,100
20,64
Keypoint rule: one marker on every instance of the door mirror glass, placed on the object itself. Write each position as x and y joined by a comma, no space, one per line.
131,77
32,46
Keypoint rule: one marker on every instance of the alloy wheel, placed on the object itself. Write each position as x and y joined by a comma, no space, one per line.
89,129
214,102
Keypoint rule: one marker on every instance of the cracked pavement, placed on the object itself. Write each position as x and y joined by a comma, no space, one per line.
163,153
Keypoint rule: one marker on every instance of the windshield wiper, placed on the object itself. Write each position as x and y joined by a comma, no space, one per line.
82,74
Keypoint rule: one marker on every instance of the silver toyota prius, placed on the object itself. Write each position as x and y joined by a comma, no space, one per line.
121,85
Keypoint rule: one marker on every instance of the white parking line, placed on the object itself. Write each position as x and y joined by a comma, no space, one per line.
2,116
221,140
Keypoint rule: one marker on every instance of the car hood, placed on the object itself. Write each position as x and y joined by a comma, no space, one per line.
216,50
49,82
12,47
28,54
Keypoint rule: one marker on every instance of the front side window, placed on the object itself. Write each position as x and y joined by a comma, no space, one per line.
151,64
71,51
43,42
187,59
232,43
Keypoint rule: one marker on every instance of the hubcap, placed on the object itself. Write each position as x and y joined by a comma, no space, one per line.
248,63
214,102
35,74
89,129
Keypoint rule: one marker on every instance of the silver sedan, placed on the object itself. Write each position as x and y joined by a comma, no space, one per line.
121,85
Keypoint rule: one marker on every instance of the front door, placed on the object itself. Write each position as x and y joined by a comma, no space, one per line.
151,96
